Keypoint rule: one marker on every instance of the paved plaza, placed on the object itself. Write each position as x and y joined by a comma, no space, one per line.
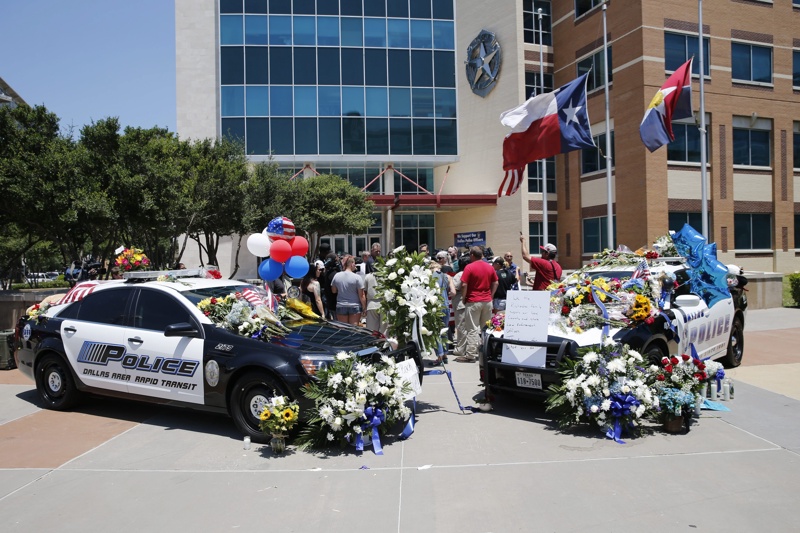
112,465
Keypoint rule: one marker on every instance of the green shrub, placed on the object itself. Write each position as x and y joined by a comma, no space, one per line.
55,284
794,287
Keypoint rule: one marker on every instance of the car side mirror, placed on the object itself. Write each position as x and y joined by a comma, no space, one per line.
181,329
687,300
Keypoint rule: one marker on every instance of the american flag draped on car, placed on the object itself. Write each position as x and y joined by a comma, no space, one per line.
642,270
255,298
78,292
280,228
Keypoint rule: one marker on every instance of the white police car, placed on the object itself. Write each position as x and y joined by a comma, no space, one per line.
145,339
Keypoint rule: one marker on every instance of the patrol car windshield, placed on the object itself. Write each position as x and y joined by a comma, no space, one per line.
195,295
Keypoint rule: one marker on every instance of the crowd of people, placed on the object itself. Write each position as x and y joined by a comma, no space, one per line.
474,284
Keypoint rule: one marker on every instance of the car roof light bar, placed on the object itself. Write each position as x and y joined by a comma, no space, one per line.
145,275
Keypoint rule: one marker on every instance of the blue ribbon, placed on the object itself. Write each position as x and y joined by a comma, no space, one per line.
375,417
409,429
621,406
671,326
436,372
594,290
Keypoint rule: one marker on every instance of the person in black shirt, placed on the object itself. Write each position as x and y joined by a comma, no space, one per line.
505,280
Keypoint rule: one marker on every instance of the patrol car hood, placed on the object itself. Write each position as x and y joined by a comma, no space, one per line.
311,336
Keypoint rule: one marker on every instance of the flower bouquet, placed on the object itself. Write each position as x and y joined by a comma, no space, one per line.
607,386
715,373
233,312
355,401
132,259
278,418
496,324
680,372
36,311
411,301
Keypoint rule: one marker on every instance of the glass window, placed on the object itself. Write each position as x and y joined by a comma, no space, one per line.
399,135
679,47
231,59
329,102
424,141
751,147
443,9
399,73
233,129
413,229
399,102
230,6
446,137
305,136
532,87
678,219
796,149
375,66
445,103
422,102
305,66
352,66
280,30
797,225
377,136
305,101
535,173
353,101
352,33
230,29
377,104
397,31
753,231
257,101
536,234
443,32
595,234
328,30
232,100
280,101
686,146
374,32
353,135
156,310
796,68
254,6
351,7
444,69
375,8
303,7
104,307
305,31
281,135
255,29
593,159
582,6
421,34
330,136
530,22
421,68
258,136
594,65
328,66
257,62
418,176
421,9
280,65
751,62
396,8
327,8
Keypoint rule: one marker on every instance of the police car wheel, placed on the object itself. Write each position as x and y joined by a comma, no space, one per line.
735,345
250,394
654,353
54,383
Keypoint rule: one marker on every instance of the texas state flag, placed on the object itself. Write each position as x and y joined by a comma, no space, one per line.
546,125
673,101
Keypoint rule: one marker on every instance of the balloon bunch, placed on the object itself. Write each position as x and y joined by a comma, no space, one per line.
286,251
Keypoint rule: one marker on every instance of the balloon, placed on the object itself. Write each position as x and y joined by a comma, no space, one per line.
280,251
270,270
258,244
299,246
297,266
280,228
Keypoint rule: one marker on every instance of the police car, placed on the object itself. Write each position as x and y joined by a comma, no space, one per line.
146,339
715,332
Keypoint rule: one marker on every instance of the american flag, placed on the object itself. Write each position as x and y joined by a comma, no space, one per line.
642,270
280,228
253,297
510,183
78,292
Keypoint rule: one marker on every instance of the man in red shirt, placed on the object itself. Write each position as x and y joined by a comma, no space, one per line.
478,283
546,267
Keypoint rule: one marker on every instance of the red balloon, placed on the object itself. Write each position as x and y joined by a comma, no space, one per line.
299,246
280,251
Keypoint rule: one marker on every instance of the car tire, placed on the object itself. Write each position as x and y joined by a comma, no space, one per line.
248,397
55,384
654,353
735,345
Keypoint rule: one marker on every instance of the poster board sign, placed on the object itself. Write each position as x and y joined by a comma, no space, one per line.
470,238
527,316
408,369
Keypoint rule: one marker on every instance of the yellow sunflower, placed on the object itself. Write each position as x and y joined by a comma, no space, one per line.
288,415
265,414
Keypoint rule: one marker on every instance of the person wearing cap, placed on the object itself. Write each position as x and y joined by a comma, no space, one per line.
546,267
504,283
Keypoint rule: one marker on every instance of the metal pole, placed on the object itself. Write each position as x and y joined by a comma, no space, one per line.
543,167
703,155
609,205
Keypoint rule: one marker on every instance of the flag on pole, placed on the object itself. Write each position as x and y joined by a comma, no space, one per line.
545,125
673,101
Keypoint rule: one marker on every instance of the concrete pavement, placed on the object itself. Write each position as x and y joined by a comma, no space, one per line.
125,466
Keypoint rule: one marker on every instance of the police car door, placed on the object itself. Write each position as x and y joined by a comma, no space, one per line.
92,331
161,366
707,328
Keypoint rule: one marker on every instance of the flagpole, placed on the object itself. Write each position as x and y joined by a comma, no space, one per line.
543,168
703,155
609,206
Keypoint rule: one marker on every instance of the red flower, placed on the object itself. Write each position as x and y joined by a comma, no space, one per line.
674,360
565,310
660,377
664,361
207,313
701,365
668,368
213,301
700,375
649,320
685,357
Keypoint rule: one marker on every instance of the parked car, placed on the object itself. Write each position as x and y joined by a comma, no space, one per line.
716,332
147,340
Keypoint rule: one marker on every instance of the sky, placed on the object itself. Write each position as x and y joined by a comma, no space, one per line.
87,60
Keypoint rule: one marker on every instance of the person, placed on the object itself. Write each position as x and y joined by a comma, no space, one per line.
374,253
445,283
546,267
373,317
365,267
115,273
504,282
351,303
278,287
478,284
513,269
423,249
453,259
332,267
442,258
310,289
459,322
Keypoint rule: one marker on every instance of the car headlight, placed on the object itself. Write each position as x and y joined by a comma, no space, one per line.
315,363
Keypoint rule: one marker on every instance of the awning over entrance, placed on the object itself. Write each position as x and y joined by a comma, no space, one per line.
395,201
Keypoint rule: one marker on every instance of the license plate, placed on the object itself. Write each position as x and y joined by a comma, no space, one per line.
529,380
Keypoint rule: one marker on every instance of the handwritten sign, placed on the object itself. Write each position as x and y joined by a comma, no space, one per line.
527,314
408,370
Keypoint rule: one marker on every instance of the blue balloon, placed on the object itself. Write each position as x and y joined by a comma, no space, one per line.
270,270
297,266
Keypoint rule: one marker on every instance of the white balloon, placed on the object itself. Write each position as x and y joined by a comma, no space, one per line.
258,244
